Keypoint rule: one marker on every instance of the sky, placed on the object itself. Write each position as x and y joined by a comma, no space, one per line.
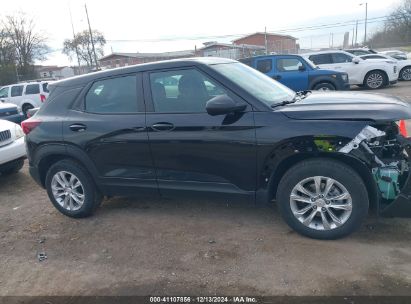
164,25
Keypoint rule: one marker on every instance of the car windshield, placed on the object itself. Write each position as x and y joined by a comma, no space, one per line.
256,83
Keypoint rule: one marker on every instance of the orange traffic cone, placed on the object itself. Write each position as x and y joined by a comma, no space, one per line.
403,129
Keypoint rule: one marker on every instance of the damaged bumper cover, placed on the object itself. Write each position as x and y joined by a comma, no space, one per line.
392,175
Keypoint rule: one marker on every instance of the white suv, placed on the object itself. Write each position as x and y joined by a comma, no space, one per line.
12,147
26,95
404,66
371,74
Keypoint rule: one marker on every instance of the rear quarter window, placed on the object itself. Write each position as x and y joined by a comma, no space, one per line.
45,87
32,89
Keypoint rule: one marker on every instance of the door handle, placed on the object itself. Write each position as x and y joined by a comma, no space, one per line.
163,126
78,127
276,77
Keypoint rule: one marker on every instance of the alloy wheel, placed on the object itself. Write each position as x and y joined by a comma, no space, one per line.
406,74
67,190
321,203
375,80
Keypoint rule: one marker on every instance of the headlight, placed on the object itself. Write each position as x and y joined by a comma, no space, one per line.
18,132
344,77
390,61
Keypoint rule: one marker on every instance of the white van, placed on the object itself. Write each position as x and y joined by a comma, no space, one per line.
26,95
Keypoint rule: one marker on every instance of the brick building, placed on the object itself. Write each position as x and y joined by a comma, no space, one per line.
115,60
281,44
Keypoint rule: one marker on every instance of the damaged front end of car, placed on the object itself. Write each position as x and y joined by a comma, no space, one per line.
387,153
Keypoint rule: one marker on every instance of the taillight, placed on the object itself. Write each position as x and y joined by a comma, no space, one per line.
42,98
29,125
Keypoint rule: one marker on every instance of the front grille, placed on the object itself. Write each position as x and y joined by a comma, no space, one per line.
8,113
5,135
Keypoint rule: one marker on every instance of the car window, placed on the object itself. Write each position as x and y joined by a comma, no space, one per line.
341,58
246,61
16,91
32,89
45,88
373,57
321,59
265,65
185,90
4,92
288,64
114,95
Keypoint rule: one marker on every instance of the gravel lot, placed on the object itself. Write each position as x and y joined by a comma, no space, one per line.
196,247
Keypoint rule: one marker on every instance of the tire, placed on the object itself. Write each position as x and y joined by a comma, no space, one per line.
344,178
375,80
405,73
324,86
12,167
25,108
91,197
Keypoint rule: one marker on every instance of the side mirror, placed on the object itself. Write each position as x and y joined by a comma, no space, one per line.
356,60
301,68
223,104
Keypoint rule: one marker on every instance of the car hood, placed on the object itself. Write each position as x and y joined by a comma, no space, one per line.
348,106
7,106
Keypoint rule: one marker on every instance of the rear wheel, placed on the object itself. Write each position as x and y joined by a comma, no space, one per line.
71,189
405,73
322,199
375,80
324,86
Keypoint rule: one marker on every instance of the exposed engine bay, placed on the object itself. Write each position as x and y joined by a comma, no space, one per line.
387,153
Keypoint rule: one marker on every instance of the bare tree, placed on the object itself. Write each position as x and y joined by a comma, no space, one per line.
81,45
397,28
28,44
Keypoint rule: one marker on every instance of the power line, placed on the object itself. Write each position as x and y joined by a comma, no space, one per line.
289,30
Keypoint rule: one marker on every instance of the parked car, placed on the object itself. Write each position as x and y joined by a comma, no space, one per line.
223,129
372,75
12,147
298,73
26,95
360,51
399,55
11,112
404,66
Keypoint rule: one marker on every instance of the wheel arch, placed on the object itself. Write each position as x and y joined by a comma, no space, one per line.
354,163
321,79
48,155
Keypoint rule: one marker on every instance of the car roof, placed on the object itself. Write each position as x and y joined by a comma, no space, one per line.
269,56
174,63
325,52
25,83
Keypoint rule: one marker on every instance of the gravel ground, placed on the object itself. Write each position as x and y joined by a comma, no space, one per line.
196,247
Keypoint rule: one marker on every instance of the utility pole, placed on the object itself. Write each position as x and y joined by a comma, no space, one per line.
74,38
365,23
91,37
352,38
356,33
265,40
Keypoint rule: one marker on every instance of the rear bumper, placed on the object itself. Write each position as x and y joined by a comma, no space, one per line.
35,174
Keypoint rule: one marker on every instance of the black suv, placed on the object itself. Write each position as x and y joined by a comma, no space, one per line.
216,126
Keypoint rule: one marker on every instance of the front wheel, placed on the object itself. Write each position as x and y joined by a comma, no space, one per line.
405,73
324,86
374,80
322,199
12,167
71,189
26,108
